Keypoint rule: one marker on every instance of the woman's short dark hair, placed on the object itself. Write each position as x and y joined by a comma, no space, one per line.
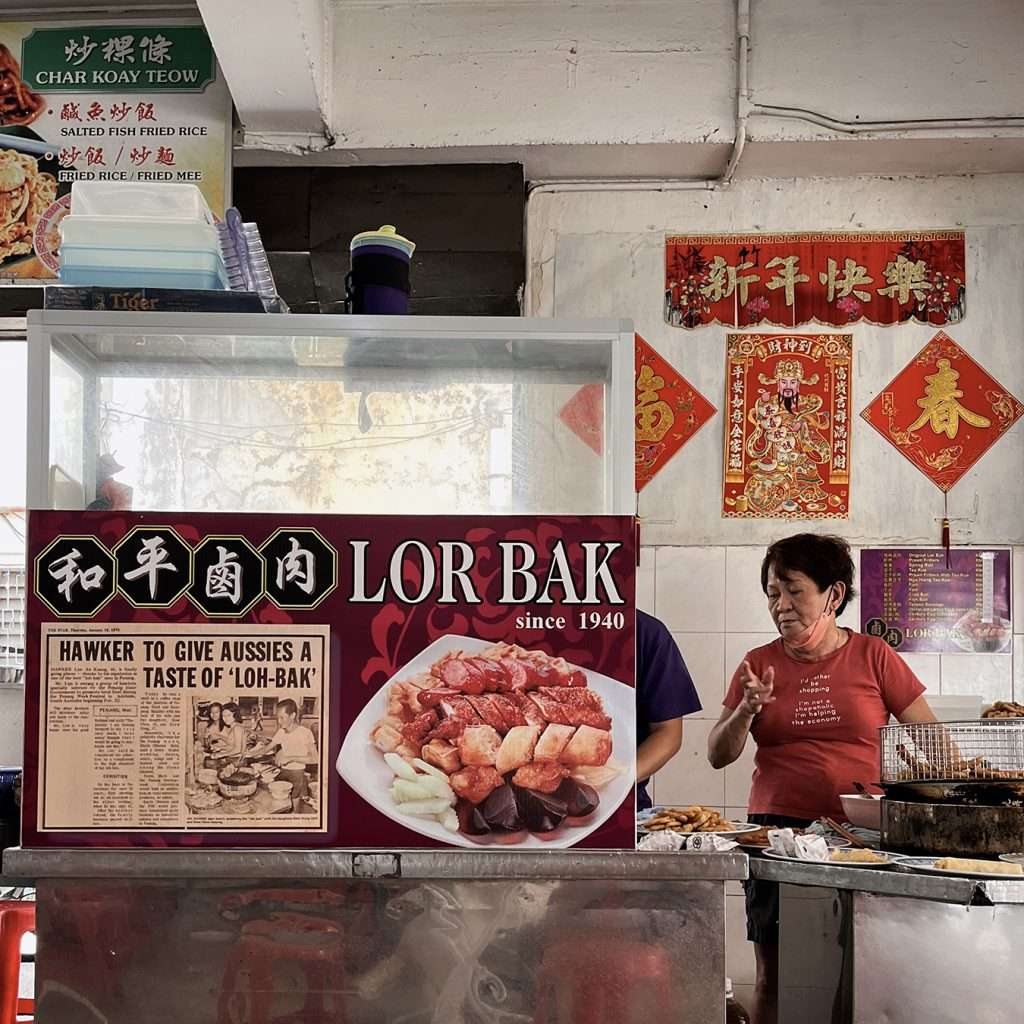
234,709
825,558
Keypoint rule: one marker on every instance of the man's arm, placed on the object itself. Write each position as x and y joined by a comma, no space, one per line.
312,757
663,743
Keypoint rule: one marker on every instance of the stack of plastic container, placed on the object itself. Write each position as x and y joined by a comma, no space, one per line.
140,235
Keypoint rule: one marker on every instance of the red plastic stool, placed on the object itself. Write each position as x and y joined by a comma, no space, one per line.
599,979
315,943
16,918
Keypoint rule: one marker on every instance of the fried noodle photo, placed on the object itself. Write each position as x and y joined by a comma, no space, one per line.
18,103
25,193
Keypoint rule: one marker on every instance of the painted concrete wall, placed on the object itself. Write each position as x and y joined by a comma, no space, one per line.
603,255
533,72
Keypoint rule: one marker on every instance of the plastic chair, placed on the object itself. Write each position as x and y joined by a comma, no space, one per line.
247,990
600,979
16,919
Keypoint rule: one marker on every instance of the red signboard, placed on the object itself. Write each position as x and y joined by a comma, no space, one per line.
379,682
828,278
787,428
943,411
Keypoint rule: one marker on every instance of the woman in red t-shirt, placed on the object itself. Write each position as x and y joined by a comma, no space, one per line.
814,701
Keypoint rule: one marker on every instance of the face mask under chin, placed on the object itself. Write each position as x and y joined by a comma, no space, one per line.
809,637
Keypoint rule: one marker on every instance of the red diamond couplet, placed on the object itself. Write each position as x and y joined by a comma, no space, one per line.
669,411
583,414
943,411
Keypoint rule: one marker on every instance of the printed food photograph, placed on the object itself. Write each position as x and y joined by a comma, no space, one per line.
26,191
975,636
29,170
477,743
18,103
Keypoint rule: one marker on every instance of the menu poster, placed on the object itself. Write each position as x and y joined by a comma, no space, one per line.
118,101
912,600
265,680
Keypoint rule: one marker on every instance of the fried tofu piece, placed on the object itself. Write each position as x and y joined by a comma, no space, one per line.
553,741
387,736
588,746
479,745
517,748
541,776
442,755
475,783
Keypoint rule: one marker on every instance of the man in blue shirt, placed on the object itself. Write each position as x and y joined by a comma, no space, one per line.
664,694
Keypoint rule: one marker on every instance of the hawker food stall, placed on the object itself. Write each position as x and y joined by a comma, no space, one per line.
902,932
289,752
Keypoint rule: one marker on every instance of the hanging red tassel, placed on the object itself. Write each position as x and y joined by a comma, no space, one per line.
945,540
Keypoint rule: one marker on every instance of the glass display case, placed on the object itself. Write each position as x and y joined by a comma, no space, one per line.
224,412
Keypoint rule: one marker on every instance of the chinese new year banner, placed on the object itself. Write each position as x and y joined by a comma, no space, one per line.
265,680
827,278
112,102
943,411
787,426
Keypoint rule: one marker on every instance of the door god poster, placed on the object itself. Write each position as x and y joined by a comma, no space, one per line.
787,430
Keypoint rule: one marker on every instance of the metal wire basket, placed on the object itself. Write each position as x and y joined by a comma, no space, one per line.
986,750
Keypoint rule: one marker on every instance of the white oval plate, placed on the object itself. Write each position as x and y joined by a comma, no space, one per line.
894,859
926,865
362,765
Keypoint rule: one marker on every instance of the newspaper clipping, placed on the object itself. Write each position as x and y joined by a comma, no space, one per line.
204,726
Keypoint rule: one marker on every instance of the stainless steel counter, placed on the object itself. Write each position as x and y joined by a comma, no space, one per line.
410,864
421,937
862,945
943,889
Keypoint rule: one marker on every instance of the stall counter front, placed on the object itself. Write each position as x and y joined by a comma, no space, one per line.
424,937
858,946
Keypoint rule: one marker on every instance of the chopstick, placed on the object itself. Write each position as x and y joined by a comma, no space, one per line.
846,833
34,147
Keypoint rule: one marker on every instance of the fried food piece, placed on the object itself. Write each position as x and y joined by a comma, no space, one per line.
588,746
553,741
443,755
475,783
479,745
386,735
857,857
1004,709
984,867
689,819
517,748
542,776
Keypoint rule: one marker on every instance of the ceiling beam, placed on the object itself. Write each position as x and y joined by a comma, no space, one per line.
276,56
